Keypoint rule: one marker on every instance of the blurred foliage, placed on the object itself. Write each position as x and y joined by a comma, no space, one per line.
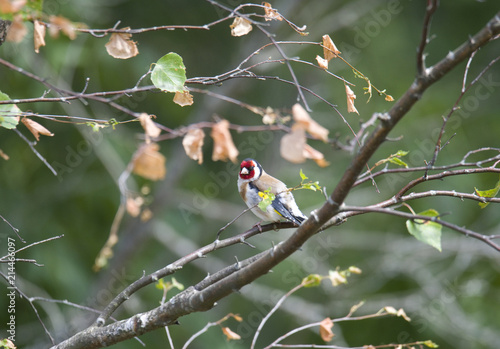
452,296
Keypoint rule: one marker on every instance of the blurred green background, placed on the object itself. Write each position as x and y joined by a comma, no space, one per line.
452,296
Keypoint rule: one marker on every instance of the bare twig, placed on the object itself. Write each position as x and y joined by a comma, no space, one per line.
424,40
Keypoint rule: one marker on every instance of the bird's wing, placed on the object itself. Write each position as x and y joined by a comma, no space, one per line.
283,211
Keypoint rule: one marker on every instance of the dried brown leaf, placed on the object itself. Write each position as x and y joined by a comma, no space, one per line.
11,6
389,98
317,156
292,145
325,329
329,50
38,35
17,30
151,130
193,143
148,162
271,13
224,147
350,100
301,116
240,27
230,335
35,128
60,23
121,46
3,155
323,63
183,98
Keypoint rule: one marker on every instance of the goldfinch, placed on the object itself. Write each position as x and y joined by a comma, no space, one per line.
253,181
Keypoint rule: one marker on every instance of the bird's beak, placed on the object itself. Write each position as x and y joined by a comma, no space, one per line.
244,171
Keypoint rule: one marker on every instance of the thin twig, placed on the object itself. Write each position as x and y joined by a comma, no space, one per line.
424,40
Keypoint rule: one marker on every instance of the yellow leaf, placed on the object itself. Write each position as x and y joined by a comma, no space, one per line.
38,35
193,143
35,128
230,335
148,162
240,27
350,100
183,98
224,147
120,46
325,329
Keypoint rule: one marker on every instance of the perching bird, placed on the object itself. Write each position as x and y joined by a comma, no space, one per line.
253,180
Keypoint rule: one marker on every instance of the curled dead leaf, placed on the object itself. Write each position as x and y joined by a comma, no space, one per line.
38,35
183,98
193,143
317,156
230,335
350,100
301,116
292,145
224,147
59,23
323,63
240,27
329,49
148,162
35,128
121,46
150,128
325,329
271,13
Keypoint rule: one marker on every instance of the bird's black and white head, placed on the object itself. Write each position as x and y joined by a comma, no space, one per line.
250,170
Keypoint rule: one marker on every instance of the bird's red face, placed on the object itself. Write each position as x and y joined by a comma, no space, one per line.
247,169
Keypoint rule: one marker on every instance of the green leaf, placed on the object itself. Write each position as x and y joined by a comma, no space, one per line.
399,162
430,344
9,113
426,231
394,159
303,176
312,280
267,199
169,73
490,193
